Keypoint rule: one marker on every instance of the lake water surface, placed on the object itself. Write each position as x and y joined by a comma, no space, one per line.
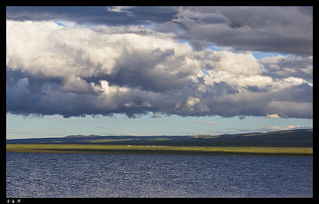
44,175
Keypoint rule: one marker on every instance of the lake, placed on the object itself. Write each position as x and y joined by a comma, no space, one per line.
47,175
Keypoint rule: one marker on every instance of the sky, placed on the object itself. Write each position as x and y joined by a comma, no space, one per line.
125,70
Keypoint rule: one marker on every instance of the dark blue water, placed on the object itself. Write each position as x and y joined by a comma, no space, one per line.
123,175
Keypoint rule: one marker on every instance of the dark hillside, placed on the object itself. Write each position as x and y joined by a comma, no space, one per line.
287,138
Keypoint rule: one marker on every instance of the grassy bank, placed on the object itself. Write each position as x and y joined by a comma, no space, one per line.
88,148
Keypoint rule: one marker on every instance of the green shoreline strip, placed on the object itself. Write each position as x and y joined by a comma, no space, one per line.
148,149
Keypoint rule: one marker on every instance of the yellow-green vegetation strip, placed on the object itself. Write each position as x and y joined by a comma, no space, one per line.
97,148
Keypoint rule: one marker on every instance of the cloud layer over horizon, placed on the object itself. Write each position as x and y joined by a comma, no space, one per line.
73,69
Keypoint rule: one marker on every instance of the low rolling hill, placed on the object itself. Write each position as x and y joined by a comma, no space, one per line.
286,138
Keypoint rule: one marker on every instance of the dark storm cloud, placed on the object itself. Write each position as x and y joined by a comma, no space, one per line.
298,98
92,14
291,66
35,82
221,99
269,29
51,99
138,70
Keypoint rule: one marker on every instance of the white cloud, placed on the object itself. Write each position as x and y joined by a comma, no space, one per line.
119,9
273,116
82,52
78,70
236,63
191,101
289,127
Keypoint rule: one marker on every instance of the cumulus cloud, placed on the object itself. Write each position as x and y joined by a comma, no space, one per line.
286,29
273,116
73,70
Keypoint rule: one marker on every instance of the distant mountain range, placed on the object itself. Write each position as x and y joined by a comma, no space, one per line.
285,138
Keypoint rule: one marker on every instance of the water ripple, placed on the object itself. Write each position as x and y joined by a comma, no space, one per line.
45,175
